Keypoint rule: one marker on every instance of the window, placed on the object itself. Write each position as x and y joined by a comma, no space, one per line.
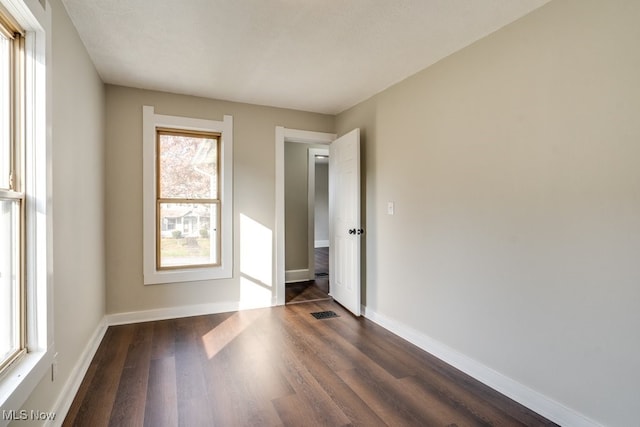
12,196
187,202
26,306
187,171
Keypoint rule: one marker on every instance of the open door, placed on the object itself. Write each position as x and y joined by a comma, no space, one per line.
344,220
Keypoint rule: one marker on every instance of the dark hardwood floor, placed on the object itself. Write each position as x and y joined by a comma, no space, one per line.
312,290
279,367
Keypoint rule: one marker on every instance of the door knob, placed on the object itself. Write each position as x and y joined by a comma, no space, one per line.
352,231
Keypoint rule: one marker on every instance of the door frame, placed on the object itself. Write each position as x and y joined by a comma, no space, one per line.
302,137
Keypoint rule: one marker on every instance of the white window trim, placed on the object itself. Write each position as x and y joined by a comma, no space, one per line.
24,375
151,121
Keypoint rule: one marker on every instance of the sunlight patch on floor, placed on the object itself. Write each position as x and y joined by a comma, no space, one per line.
219,337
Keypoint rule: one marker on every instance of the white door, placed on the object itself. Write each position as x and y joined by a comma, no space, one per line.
344,220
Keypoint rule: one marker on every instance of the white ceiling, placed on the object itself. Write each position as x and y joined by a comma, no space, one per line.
313,55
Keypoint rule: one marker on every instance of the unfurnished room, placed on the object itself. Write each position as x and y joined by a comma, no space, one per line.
305,213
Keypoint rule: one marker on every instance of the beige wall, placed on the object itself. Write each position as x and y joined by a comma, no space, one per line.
78,204
514,168
321,202
296,203
296,189
254,190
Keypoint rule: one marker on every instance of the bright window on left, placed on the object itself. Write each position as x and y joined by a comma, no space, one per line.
12,195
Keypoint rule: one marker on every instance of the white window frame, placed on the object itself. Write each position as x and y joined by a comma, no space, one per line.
21,378
152,121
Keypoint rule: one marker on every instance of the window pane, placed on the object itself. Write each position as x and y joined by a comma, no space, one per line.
9,278
188,166
5,118
188,234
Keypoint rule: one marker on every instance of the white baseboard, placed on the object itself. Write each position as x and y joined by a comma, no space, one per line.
522,394
70,388
292,276
321,244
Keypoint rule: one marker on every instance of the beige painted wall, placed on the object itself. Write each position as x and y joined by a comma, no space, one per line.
78,204
296,206
296,182
514,168
254,191
321,202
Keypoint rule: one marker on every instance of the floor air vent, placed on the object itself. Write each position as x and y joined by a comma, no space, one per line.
324,314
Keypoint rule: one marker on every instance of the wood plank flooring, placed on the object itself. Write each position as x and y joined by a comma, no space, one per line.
279,367
312,290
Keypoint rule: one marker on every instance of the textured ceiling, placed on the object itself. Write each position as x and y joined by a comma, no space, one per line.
313,55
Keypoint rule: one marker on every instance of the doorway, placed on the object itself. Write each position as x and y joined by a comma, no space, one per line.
344,216
311,283
301,137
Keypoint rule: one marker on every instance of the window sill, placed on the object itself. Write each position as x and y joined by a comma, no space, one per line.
19,382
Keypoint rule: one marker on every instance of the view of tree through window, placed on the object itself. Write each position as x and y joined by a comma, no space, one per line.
188,203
